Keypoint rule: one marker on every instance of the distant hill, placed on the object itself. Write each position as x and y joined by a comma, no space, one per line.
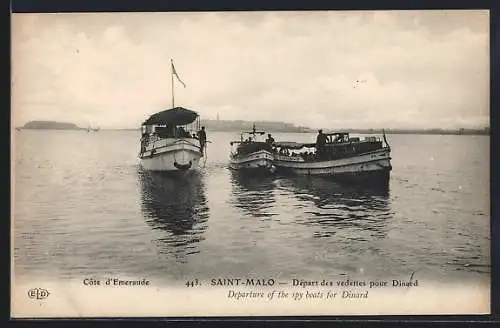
51,125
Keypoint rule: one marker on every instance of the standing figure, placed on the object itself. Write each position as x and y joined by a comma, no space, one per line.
202,137
269,140
143,142
320,143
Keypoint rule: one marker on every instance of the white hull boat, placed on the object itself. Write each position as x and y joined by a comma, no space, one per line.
260,160
169,139
172,155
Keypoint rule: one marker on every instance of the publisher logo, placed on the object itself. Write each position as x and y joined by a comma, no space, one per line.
38,293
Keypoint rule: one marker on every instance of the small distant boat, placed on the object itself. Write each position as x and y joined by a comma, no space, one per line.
340,156
250,155
169,142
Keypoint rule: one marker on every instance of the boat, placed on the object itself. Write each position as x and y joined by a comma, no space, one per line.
248,155
341,156
168,139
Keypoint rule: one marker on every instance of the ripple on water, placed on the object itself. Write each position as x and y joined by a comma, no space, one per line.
91,209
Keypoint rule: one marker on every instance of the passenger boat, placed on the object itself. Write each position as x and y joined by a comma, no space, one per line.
169,142
251,156
341,156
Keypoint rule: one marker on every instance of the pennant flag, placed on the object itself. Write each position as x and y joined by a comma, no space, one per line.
174,72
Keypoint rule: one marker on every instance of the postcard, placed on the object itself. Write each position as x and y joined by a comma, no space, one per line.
250,164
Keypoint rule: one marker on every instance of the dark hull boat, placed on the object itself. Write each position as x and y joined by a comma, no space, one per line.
341,157
251,156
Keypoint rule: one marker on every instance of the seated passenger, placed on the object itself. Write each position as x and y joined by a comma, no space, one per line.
181,133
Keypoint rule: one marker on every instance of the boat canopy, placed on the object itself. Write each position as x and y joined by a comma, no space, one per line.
172,117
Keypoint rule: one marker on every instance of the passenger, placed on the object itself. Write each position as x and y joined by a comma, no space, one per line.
320,143
202,137
269,140
143,143
320,139
181,132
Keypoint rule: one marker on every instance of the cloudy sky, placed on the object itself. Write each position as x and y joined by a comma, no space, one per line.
416,68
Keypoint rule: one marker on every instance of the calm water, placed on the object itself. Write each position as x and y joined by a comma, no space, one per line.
83,207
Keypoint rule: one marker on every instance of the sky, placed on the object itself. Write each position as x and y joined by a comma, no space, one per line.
321,69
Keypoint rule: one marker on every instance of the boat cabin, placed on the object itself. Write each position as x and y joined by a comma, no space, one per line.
249,143
341,143
338,145
175,123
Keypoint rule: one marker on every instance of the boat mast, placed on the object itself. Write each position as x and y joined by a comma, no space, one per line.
172,79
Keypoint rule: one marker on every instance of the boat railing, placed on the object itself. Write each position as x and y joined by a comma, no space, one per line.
153,139
165,144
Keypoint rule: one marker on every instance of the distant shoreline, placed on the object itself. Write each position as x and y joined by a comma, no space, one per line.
388,132
268,127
